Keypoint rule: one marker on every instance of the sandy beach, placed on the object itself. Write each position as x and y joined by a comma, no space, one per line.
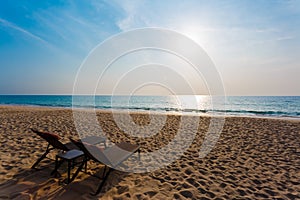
254,158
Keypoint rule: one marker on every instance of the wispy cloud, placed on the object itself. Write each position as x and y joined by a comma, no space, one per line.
285,38
21,30
72,28
134,15
266,30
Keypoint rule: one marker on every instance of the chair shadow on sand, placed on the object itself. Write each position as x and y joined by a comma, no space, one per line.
39,184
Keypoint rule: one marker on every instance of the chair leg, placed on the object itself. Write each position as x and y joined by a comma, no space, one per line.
57,165
85,163
41,158
103,181
104,171
69,170
139,153
78,170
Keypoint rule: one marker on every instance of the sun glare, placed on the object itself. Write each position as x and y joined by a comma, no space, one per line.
193,33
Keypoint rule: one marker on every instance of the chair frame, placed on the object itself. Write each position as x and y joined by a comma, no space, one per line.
53,143
90,156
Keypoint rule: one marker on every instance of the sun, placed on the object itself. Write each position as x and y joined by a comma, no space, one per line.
195,33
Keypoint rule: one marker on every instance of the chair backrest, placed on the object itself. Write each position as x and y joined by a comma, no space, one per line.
52,139
91,151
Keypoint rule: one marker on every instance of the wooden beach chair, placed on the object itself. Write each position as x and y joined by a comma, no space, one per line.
110,157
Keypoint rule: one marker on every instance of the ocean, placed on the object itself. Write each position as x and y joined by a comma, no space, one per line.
270,106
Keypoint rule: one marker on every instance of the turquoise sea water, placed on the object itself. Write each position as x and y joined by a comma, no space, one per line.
276,106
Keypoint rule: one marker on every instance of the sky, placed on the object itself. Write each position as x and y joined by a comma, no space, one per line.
254,45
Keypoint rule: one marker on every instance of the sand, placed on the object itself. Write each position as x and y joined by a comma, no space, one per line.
254,158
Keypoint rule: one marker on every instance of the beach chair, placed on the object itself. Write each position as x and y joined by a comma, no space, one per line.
53,143
110,157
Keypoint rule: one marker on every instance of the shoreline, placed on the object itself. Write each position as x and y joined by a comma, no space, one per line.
158,112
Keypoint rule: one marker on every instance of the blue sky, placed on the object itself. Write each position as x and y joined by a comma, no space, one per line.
255,45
